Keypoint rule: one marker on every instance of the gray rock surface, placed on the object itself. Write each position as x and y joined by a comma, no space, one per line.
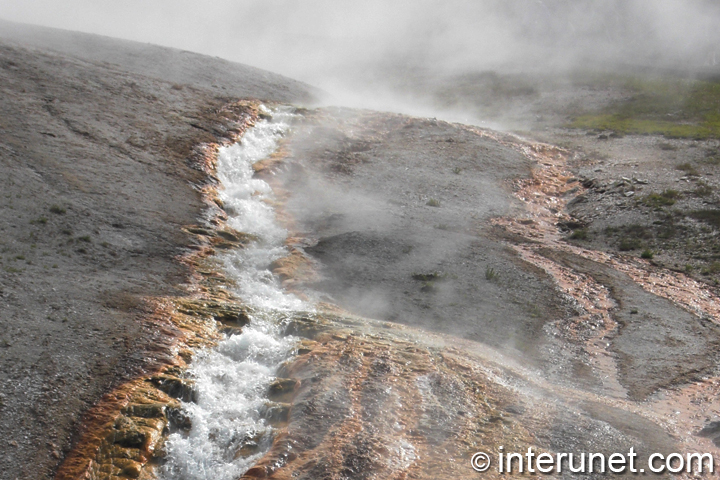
399,210
94,187
212,74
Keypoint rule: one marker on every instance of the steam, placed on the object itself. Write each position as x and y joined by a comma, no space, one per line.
401,56
335,44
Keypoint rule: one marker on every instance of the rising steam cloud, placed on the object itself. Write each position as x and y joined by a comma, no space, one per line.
310,38
375,46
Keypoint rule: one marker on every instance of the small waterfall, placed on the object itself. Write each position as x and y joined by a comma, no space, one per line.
228,432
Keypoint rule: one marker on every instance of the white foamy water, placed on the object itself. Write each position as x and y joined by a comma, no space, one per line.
232,379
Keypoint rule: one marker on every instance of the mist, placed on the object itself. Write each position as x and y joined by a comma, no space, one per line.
401,55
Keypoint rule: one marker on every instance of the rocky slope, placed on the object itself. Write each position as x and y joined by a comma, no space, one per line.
95,141
455,310
514,337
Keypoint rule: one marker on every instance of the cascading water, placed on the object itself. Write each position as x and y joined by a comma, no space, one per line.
228,432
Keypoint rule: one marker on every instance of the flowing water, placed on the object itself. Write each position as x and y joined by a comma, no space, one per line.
229,432
376,400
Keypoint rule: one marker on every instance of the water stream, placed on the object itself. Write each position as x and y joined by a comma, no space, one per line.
229,432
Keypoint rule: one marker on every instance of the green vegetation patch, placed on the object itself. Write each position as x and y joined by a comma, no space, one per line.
580,234
687,168
702,189
428,277
711,269
663,199
675,108
57,209
627,244
490,274
708,216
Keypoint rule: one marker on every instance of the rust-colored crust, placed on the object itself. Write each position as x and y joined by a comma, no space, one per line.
124,432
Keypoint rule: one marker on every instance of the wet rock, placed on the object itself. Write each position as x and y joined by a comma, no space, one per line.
110,471
276,413
249,448
129,468
179,388
225,312
179,419
250,445
293,268
149,410
305,346
306,326
208,232
117,451
256,472
128,434
230,330
228,238
282,389
186,355
232,236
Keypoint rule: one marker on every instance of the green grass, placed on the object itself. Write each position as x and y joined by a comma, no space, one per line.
675,108
663,199
57,209
647,254
428,277
429,280
490,274
702,189
627,244
433,203
579,234
687,168
637,231
708,216
711,269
